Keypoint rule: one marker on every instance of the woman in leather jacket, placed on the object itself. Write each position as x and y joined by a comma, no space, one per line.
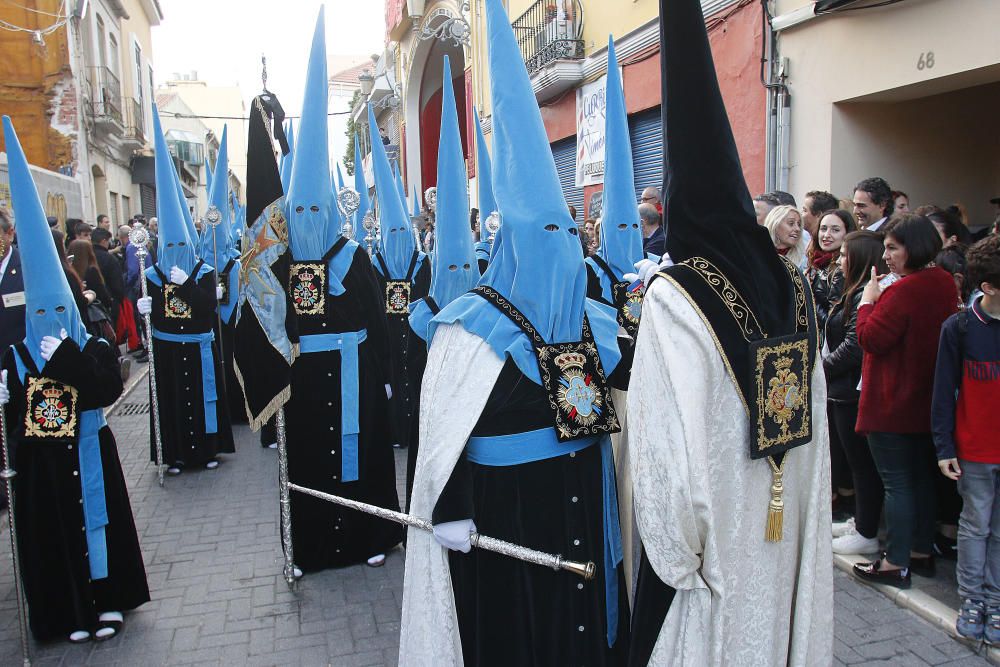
842,357
824,274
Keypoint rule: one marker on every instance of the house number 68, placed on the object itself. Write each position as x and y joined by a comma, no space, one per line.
925,61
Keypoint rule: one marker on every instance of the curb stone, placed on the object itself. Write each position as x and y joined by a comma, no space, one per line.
923,605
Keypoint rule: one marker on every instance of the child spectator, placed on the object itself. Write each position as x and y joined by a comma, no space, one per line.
966,425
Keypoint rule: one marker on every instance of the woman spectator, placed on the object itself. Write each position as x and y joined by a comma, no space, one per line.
898,329
824,274
901,202
784,223
842,356
952,259
82,296
84,263
948,225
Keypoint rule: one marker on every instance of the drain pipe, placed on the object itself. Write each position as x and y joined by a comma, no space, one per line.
777,102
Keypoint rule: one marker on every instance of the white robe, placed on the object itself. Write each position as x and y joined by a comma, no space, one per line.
461,371
701,505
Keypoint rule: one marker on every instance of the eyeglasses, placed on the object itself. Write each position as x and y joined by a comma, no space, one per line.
647,198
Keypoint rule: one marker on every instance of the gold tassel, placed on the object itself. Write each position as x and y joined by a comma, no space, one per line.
775,509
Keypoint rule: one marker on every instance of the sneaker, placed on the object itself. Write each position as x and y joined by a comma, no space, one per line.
971,619
992,630
843,527
855,543
872,572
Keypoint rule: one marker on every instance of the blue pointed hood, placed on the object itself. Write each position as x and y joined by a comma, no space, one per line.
175,245
454,270
209,175
340,178
538,262
219,250
360,185
49,303
309,204
399,184
416,197
621,238
484,176
398,243
285,161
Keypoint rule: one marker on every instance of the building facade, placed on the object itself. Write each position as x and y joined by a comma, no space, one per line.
908,92
78,87
564,46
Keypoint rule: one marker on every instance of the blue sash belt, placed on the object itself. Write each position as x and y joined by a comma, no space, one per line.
347,343
518,448
95,509
209,396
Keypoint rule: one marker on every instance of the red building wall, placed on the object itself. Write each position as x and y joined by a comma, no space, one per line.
736,48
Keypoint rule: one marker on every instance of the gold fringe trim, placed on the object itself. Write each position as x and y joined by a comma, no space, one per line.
775,509
269,410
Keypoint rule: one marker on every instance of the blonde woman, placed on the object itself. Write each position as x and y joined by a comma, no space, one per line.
784,223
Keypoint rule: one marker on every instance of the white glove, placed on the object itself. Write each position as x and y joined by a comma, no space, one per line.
49,344
4,392
646,269
178,276
144,305
388,391
454,535
218,292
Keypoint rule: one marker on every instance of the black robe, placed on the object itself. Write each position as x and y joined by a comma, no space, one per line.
233,389
179,377
325,534
48,507
516,613
402,406
416,364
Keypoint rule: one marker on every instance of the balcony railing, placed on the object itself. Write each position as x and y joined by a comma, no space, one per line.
134,121
550,30
105,94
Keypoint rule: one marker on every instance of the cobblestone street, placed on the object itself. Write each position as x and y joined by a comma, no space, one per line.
212,553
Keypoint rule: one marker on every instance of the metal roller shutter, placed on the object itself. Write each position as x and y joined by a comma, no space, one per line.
147,197
564,153
646,134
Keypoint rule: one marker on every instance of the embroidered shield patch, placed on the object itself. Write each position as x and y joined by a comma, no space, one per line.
308,288
781,414
397,297
173,305
52,410
577,390
629,305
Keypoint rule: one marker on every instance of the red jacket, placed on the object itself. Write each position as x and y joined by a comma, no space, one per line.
899,336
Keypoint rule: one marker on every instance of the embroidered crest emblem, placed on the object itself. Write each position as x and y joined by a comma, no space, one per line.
782,412
629,305
173,305
308,288
397,297
52,408
577,395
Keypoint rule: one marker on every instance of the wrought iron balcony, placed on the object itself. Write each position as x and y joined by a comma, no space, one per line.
105,96
548,31
134,122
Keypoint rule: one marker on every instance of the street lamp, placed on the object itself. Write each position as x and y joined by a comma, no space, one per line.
367,82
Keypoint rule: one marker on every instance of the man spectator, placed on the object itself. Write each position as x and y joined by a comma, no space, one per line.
110,269
11,295
83,231
120,243
651,195
762,205
384,136
872,203
104,222
52,220
784,198
654,239
71,224
815,203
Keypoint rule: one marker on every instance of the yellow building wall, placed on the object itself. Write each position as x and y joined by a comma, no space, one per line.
29,77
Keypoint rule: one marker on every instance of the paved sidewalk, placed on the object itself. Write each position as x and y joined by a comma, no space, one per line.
213,557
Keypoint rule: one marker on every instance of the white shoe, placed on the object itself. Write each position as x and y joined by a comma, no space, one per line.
855,543
843,527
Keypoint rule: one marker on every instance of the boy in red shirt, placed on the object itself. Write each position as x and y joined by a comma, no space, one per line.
965,418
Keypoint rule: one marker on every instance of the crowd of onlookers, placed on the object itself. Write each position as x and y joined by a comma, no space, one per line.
907,300
102,269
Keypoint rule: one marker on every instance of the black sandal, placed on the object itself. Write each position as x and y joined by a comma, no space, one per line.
115,625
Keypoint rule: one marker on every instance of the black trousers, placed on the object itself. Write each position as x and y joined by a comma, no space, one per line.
868,491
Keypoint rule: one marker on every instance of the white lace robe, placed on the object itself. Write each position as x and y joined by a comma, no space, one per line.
701,506
461,372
